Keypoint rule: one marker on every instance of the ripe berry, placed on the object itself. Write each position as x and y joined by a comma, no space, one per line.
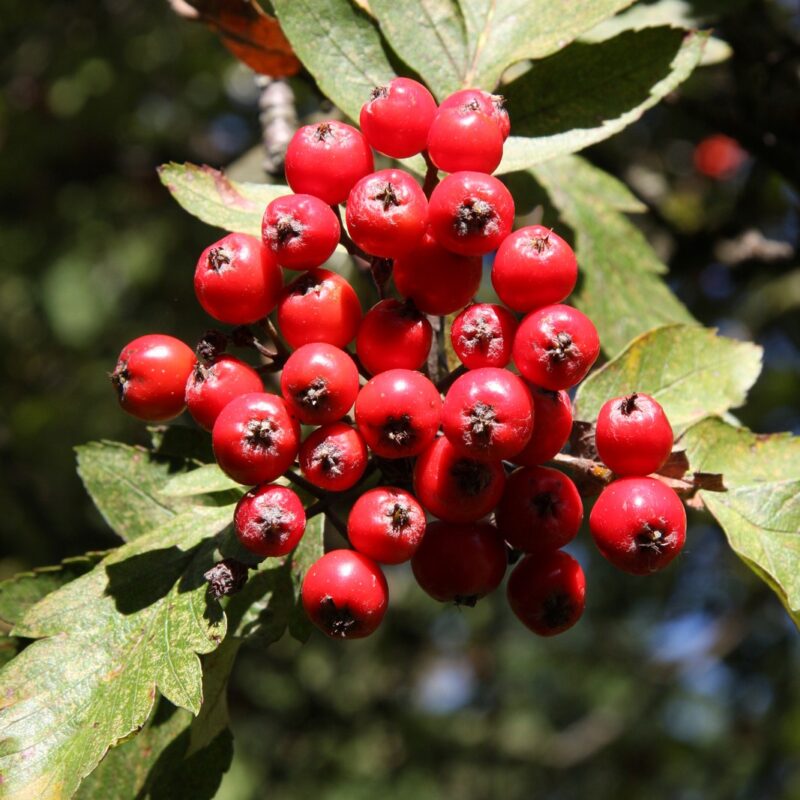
540,511
456,488
547,592
718,156
386,524
555,347
269,520
633,435
326,160
488,414
638,524
463,139
255,439
552,425
345,594
477,100
482,335
397,117
470,213
438,281
398,413
387,213
460,562
150,377
334,457
393,335
301,230
237,280
319,383
534,267
212,386
319,306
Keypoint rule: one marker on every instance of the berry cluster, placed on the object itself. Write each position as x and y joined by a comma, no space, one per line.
468,451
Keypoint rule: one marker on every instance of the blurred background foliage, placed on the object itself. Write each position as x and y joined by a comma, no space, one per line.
685,685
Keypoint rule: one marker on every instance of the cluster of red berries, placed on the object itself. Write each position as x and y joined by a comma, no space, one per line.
462,451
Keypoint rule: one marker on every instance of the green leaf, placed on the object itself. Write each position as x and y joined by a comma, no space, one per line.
310,549
207,479
690,370
760,512
106,642
340,46
212,197
620,287
590,91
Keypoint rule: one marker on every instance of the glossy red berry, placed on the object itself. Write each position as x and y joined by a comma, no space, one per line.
150,377
319,383
255,438
387,213
534,267
547,592
470,213
212,386
460,562
552,425
393,335
301,231
462,139
398,413
555,347
386,524
494,105
718,156
483,335
633,435
540,511
438,281
319,306
237,280
456,488
334,457
345,594
326,160
488,414
638,524
269,520
397,117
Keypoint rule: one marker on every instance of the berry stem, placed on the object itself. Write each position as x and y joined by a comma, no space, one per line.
431,175
448,380
346,241
282,352
300,481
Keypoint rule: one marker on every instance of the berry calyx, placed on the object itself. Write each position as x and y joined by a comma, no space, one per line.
333,457
552,425
483,335
465,139
269,520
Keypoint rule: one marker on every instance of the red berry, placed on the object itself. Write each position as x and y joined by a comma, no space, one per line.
633,435
334,457
463,139
547,593
638,524
237,280
397,117
398,413
470,213
269,520
212,386
488,414
552,425
319,306
386,524
393,335
438,281
482,335
326,160
301,230
150,377
477,100
555,347
345,594
319,383
540,511
255,439
460,562
456,488
387,213
719,157
534,267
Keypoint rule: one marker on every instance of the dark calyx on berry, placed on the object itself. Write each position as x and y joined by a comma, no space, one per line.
399,516
307,284
218,258
387,196
480,331
473,216
329,458
540,243
119,378
472,477
379,91
653,538
226,577
482,421
628,405
201,372
546,504
323,131
399,431
561,348
468,600
212,344
287,228
272,520
314,394
336,621
558,610
261,433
